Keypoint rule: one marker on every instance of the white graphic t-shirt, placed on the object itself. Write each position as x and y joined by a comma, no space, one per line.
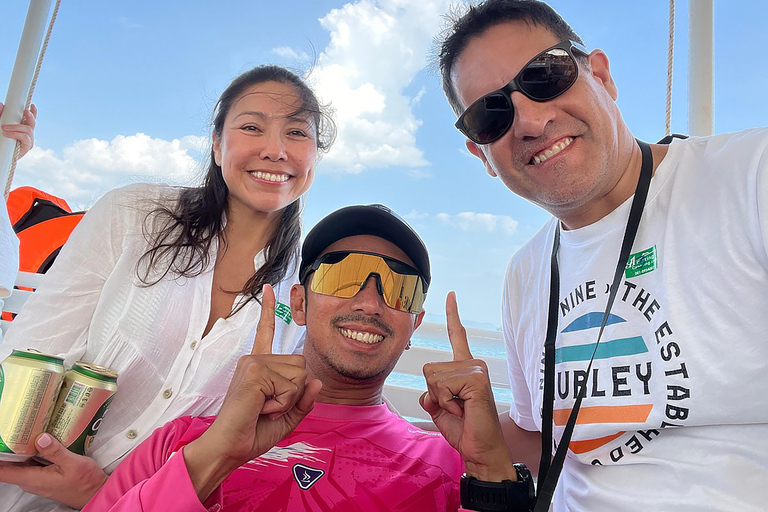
676,410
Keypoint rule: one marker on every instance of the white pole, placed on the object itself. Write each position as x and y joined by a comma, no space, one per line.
701,64
21,77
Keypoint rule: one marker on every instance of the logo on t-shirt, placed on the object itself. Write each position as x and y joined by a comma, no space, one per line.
306,476
639,382
283,311
641,263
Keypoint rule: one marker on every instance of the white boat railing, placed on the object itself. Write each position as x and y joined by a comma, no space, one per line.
26,282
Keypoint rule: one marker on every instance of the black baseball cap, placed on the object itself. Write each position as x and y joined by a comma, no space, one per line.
370,219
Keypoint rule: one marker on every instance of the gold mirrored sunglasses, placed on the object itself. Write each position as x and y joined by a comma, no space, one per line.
344,273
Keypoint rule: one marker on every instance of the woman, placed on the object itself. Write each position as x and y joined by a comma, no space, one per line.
161,283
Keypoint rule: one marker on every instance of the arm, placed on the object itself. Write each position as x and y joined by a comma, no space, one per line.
152,478
168,490
267,398
524,445
460,401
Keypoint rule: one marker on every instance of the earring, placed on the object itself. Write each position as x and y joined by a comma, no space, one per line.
408,346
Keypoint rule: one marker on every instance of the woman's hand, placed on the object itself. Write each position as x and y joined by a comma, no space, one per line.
71,479
24,132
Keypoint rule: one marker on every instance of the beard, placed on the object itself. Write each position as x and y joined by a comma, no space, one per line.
354,367
360,371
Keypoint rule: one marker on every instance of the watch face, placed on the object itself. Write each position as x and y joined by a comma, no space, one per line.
522,471
524,476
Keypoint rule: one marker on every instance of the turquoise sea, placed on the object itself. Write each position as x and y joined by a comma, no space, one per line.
417,382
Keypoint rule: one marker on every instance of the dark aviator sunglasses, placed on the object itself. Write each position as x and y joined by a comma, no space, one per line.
546,76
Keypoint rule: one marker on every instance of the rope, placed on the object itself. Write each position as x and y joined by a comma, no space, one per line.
670,58
17,149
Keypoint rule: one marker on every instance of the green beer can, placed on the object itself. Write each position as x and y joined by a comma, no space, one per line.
29,385
84,398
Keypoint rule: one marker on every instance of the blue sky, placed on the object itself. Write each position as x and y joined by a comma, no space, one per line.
127,88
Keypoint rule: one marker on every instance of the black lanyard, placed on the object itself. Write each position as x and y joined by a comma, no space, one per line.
549,473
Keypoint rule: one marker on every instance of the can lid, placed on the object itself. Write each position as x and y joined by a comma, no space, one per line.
31,353
95,371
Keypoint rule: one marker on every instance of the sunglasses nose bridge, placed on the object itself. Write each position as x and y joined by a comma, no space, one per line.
377,279
511,87
367,300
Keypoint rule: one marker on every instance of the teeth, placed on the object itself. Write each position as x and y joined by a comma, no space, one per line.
363,337
268,176
552,151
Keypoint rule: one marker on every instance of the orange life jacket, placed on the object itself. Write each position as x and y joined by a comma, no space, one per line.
43,223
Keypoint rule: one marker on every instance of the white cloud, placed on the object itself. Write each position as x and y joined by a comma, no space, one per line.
287,52
375,52
416,99
468,221
91,166
474,222
416,216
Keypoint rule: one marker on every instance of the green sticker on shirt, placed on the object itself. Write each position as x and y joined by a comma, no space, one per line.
641,263
283,311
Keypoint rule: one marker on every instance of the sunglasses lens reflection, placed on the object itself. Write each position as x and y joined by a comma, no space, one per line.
549,75
485,119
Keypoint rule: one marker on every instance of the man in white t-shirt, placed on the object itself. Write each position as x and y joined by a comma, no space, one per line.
675,415
9,243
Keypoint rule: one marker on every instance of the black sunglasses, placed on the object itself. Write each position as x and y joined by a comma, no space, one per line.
546,76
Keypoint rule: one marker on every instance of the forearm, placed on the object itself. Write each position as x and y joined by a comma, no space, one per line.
495,465
206,468
523,445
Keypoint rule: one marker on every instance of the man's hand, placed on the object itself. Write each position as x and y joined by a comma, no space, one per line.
24,132
460,400
268,396
71,479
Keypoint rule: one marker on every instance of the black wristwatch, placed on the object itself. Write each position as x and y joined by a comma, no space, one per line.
506,496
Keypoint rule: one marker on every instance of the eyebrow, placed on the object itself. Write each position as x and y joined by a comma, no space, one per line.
294,116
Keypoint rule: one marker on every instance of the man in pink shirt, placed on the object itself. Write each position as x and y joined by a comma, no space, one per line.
311,432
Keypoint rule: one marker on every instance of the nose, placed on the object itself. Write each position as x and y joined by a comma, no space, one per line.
368,300
531,117
274,147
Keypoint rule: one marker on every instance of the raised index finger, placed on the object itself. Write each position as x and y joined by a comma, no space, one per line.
265,331
457,335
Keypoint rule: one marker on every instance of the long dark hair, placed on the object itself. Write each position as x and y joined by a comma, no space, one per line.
181,234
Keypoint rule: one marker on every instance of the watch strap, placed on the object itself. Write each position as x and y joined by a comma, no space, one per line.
505,496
